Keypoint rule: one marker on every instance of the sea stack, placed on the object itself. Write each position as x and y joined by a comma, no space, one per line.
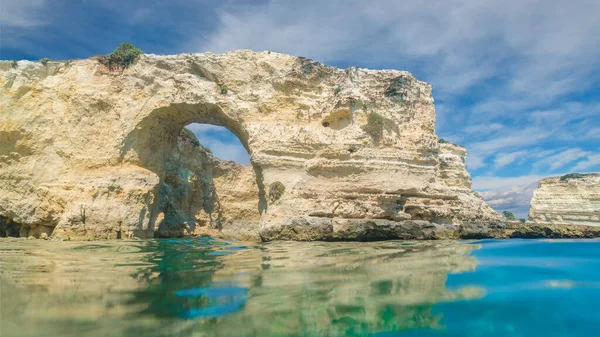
571,199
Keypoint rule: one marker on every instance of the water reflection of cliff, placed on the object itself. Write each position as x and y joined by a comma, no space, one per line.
202,287
316,289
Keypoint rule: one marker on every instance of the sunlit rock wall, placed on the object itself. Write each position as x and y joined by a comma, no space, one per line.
84,149
567,200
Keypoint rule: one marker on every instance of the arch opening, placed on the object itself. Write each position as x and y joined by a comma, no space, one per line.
223,144
199,193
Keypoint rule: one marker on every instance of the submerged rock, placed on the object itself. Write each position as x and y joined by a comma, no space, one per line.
88,150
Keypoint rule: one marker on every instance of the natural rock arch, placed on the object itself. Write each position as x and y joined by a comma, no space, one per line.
157,136
89,145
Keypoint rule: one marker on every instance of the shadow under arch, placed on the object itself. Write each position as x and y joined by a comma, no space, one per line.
155,137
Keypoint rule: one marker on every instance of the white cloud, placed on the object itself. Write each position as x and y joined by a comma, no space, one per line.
537,153
201,128
503,159
222,142
515,139
474,162
483,128
594,133
592,160
483,183
21,13
561,159
515,199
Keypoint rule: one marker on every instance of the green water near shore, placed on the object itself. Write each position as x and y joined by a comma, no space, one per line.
206,287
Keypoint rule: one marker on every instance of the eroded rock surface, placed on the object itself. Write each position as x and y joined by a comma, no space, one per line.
572,199
86,150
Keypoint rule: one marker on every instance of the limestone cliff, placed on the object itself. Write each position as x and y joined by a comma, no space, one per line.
569,199
86,150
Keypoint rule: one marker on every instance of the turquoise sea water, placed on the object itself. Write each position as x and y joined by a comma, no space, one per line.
206,287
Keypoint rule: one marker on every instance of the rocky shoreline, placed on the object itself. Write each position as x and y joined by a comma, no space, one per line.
381,230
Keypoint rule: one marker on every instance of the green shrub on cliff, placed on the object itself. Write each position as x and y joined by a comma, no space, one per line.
572,176
276,191
508,215
124,55
45,60
14,64
396,90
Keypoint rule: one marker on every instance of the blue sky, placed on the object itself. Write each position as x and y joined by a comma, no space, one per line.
517,82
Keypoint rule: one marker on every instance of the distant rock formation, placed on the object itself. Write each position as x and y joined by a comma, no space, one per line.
336,154
571,199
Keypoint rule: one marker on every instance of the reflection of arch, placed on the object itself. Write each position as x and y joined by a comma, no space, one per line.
152,142
365,288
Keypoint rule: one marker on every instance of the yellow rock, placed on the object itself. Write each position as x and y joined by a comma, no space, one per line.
92,154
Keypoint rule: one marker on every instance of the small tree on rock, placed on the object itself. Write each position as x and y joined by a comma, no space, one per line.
508,215
123,56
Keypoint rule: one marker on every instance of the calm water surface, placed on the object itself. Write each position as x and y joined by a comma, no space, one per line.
205,287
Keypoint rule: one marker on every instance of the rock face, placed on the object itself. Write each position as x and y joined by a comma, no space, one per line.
89,151
569,199
203,195
187,193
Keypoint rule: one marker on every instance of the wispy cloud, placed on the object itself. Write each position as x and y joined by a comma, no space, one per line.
592,160
484,183
474,162
503,159
512,140
198,128
561,159
515,199
483,128
21,13
593,133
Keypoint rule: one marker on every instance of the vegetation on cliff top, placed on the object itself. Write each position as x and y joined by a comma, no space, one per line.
572,176
396,89
123,56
